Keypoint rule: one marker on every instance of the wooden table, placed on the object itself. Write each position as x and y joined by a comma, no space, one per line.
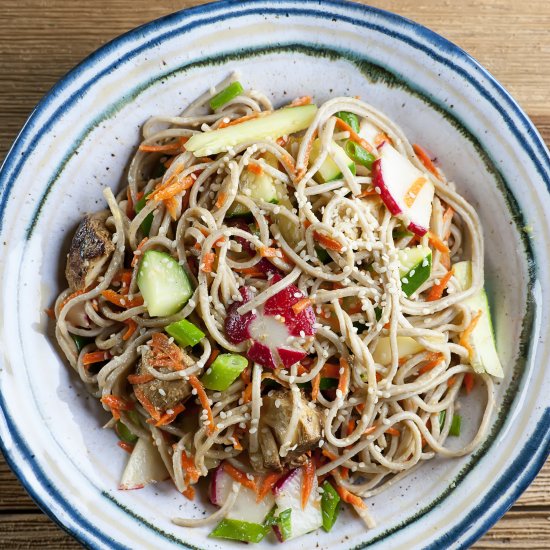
40,40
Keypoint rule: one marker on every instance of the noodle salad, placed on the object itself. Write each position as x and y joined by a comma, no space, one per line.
288,302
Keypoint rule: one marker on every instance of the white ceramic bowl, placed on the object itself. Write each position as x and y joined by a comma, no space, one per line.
79,139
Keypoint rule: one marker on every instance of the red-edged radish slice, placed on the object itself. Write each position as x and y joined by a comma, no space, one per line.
405,190
144,466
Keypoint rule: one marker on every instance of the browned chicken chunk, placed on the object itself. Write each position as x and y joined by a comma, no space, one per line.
275,419
163,394
90,249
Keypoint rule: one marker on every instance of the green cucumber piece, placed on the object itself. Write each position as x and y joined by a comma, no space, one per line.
415,267
351,119
124,433
358,154
274,125
454,430
329,170
442,416
148,221
485,357
284,522
260,187
244,531
224,371
163,283
226,95
185,333
329,506
323,255
80,341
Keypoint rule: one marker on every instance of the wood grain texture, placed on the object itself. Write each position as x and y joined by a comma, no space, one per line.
40,40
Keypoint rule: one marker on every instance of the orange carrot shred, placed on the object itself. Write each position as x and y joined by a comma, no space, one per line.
132,327
300,305
95,357
413,190
367,193
50,312
431,363
117,403
437,243
267,252
426,160
437,290
239,476
213,355
303,100
353,135
220,201
147,405
243,119
189,493
307,482
255,168
392,431
188,464
208,263
167,417
451,381
126,446
350,498
267,484
135,259
330,370
247,394
140,378
315,385
370,430
469,382
464,339
120,300
171,188
328,242
203,398
169,148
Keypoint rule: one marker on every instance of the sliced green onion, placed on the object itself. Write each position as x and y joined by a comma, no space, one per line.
226,95
185,333
148,221
124,433
329,506
284,523
80,341
455,425
351,119
323,255
224,371
442,416
358,154
244,531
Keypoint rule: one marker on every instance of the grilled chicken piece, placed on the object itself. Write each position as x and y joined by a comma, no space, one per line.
275,418
163,394
90,249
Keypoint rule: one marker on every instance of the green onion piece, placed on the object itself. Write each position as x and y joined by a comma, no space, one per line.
148,221
329,506
224,371
323,255
80,341
124,433
442,416
284,523
358,154
226,95
185,333
401,232
350,119
244,531
378,313
328,383
455,425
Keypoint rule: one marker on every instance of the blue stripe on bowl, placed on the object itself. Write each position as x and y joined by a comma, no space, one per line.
530,458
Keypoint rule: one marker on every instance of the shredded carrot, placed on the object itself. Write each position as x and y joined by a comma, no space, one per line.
437,243
137,251
213,355
247,394
120,300
288,162
343,381
282,141
304,100
147,405
169,148
140,378
168,418
267,252
171,188
189,493
267,484
431,363
243,119
132,327
447,219
237,444
370,430
239,476
307,481
350,498
469,382
331,370
437,290
344,472
71,296
353,135
50,312
188,464
251,272
95,357
116,402
451,381
464,338
392,431
203,398
315,385
413,190
328,242
165,353
220,201
255,168
123,276
208,263
329,455
300,174
426,160
126,446
300,305
380,138
367,193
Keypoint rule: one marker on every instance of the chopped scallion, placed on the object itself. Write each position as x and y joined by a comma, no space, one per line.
358,154
350,119
226,95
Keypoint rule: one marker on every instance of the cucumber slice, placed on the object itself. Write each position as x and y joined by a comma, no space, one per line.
329,506
274,125
415,267
163,283
329,170
405,346
185,333
260,187
224,371
148,221
485,357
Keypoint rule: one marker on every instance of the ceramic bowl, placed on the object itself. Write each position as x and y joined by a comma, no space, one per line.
79,140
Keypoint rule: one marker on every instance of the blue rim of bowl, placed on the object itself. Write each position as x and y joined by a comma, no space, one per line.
531,458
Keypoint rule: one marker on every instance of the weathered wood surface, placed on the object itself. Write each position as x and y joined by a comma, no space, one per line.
40,41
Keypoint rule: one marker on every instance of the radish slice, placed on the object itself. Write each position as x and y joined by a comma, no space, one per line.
144,466
237,326
288,495
396,179
245,508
